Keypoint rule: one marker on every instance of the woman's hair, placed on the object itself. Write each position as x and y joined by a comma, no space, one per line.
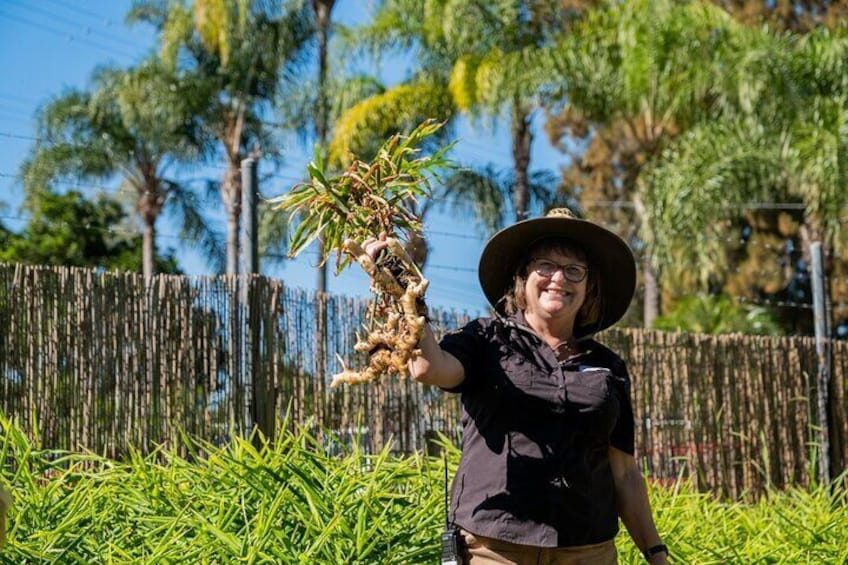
515,299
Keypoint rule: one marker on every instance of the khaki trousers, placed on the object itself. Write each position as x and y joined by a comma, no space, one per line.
489,551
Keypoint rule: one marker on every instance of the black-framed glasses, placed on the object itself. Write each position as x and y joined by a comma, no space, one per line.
573,272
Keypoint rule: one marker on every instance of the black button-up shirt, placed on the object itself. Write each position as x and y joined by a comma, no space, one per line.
536,432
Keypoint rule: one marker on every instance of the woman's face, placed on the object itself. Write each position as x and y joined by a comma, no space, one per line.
551,294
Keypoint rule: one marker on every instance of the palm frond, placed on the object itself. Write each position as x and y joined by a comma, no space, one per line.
484,191
187,210
362,127
691,197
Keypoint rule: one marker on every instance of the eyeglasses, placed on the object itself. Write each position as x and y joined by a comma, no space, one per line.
571,271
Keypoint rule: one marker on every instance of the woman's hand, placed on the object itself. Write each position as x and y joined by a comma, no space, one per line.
434,366
374,245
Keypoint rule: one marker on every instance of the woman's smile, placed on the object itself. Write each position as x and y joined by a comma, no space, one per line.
553,294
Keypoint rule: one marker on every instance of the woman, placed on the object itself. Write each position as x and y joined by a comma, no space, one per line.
547,462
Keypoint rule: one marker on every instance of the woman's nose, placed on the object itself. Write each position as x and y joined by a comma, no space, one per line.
559,274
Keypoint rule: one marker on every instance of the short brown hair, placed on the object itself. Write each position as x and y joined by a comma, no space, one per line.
515,298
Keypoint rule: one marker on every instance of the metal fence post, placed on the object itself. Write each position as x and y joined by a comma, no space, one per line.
251,294
822,327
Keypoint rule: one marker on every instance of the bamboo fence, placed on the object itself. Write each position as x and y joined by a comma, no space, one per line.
101,361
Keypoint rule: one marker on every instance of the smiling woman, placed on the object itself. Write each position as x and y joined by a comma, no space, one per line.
553,284
547,465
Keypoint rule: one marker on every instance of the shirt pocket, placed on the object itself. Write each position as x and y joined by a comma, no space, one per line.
514,369
591,400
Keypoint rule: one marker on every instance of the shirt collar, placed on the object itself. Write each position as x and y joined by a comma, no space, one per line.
519,321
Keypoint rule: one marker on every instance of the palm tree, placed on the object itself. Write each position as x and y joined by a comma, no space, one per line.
137,124
645,70
471,58
786,141
240,52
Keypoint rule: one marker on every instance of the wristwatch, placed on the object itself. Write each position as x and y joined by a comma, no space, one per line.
653,550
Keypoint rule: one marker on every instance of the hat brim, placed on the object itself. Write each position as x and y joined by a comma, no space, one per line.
606,251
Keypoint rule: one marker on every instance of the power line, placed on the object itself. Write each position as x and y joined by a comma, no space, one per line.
460,287
456,235
77,9
452,268
67,21
18,136
70,36
15,98
14,105
65,183
427,232
112,230
15,117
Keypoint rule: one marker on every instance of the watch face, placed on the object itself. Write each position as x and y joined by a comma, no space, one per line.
651,551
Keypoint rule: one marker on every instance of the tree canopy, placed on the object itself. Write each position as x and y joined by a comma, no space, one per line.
69,229
709,134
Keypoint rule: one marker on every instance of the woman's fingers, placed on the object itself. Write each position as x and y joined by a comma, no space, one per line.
374,246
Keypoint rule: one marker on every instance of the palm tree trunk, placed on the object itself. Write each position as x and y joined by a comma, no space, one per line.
231,195
522,138
149,205
323,10
651,307
148,249
650,278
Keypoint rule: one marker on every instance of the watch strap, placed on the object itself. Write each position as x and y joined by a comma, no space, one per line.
654,549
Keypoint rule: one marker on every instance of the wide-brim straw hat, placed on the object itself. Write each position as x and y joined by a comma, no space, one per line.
606,252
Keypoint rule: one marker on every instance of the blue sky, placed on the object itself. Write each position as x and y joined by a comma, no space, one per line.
47,46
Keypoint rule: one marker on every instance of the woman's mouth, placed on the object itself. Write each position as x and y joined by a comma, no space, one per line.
558,291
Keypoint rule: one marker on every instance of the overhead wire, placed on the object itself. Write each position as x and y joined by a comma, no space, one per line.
76,8
67,35
67,21
434,266
15,98
13,117
586,203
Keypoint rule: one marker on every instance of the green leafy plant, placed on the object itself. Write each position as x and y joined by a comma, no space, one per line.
366,199
717,315
249,501
371,200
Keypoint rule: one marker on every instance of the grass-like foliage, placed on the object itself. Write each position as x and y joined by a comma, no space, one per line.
294,502
288,503
366,199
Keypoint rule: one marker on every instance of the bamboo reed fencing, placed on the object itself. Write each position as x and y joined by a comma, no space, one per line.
101,361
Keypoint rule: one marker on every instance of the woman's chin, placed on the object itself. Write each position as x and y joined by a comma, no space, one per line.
557,308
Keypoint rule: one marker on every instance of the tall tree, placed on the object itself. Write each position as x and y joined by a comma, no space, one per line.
504,74
634,76
69,229
137,124
471,57
786,142
240,51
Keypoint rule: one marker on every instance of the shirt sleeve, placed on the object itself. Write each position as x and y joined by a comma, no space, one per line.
623,434
467,344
